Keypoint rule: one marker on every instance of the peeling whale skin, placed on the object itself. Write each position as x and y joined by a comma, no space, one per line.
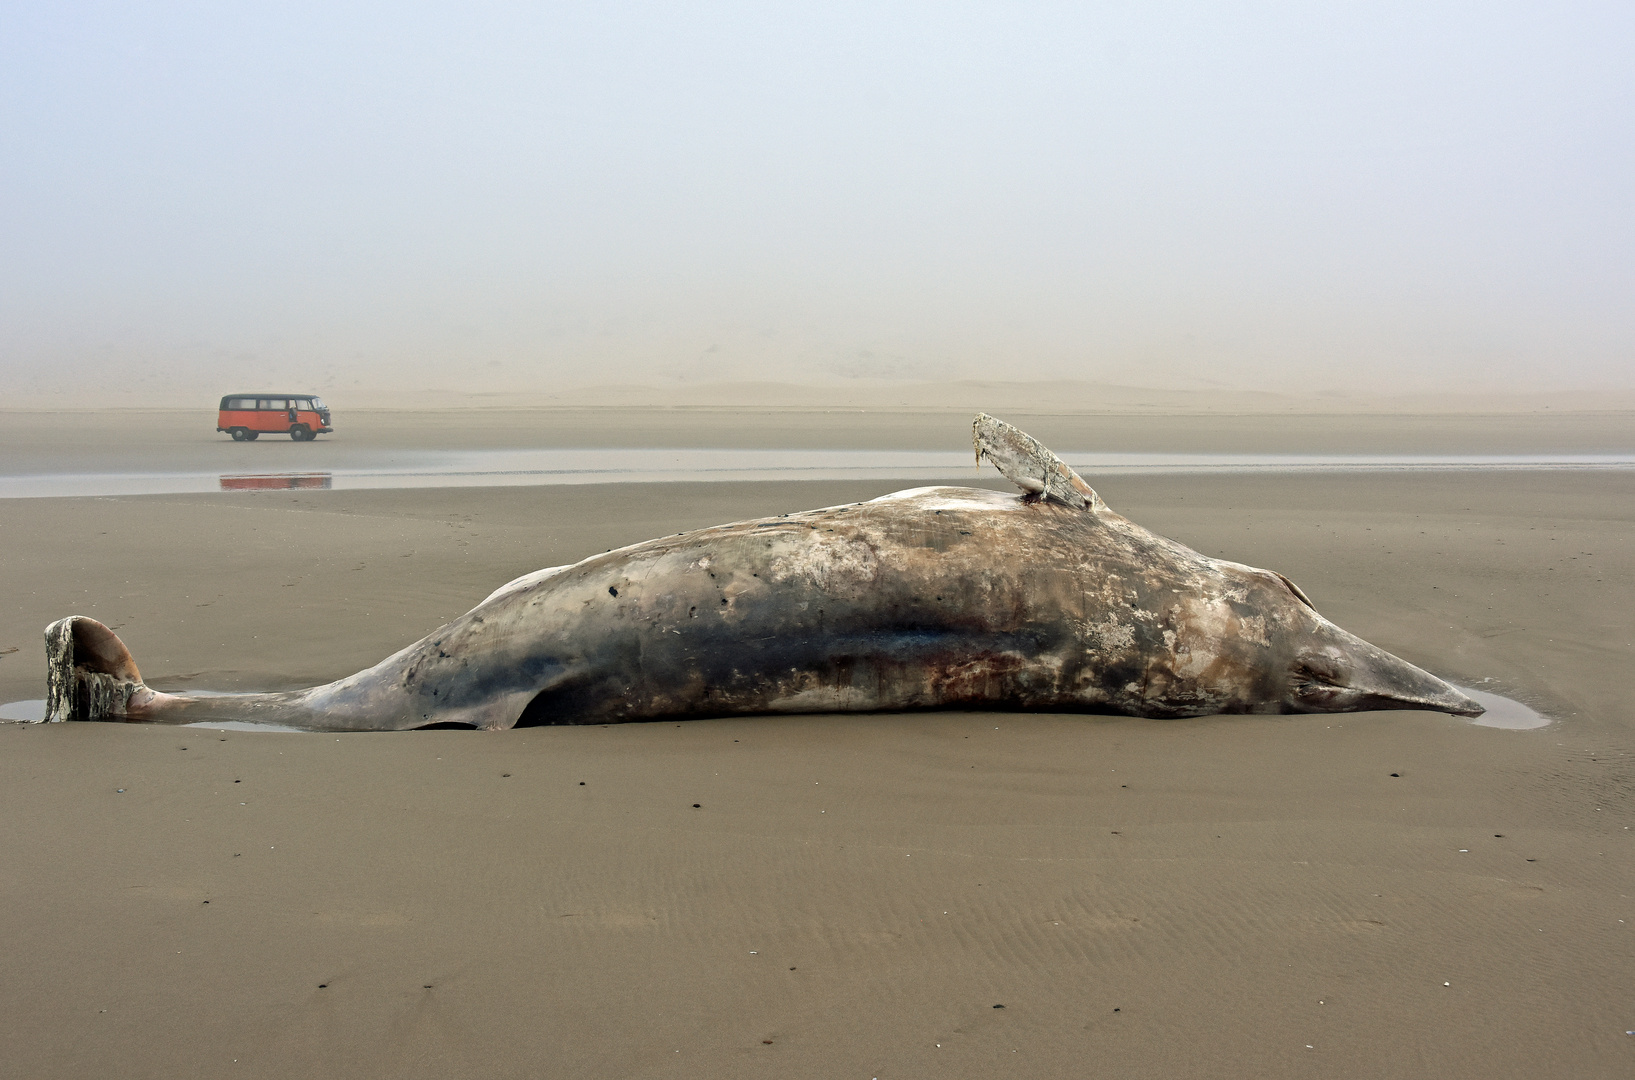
932,598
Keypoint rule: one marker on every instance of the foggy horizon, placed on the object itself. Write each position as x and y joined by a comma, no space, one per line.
510,198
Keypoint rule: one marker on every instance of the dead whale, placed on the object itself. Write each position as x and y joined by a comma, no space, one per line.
937,597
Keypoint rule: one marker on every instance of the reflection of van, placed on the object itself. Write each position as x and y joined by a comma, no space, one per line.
245,416
277,482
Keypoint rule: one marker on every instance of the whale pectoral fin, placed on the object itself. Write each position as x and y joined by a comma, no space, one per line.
90,675
1029,464
499,713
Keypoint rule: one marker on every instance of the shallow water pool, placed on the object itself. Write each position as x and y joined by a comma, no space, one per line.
1503,712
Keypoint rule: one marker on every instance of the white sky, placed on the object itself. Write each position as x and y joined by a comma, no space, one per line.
493,196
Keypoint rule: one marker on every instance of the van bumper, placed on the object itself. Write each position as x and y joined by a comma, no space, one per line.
316,431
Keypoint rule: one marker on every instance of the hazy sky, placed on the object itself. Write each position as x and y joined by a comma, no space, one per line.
521,195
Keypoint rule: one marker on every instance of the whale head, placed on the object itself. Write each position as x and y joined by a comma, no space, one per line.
1239,639
1271,651
1335,671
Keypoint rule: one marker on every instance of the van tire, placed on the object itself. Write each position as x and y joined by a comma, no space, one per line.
300,433
239,434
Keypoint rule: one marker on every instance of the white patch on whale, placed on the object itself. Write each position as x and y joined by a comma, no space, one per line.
840,567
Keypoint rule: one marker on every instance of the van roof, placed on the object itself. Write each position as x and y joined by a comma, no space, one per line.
274,393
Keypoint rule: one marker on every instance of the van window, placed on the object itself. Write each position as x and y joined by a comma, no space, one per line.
273,403
301,403
241,403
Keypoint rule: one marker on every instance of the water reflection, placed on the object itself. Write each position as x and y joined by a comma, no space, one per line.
278,482
247,725
361,468
32,711
24,712
1503,712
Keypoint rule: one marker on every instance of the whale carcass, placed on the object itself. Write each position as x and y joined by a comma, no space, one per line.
937,597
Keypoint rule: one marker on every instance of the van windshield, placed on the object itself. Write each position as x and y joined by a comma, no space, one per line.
318,403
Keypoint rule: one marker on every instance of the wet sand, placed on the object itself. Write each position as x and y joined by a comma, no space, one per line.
1212,897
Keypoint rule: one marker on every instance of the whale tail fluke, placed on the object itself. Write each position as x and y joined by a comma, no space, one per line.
1029,464
90,674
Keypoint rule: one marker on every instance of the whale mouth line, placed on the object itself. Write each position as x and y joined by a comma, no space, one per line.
1470,711
1316,693
1455,702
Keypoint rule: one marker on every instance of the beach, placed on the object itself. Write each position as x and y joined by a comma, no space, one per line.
920,895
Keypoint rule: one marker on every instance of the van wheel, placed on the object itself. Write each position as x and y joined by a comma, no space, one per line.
238,434
300,433
251,436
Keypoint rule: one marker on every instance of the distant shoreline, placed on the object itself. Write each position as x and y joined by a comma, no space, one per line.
184,441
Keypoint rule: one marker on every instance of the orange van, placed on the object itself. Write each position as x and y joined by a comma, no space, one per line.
246,417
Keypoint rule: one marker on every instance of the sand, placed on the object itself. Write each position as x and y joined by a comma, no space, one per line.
852,896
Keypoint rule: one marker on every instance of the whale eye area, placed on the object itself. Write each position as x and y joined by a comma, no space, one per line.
1312,677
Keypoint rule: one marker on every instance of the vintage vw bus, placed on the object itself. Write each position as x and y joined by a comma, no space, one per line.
302,417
